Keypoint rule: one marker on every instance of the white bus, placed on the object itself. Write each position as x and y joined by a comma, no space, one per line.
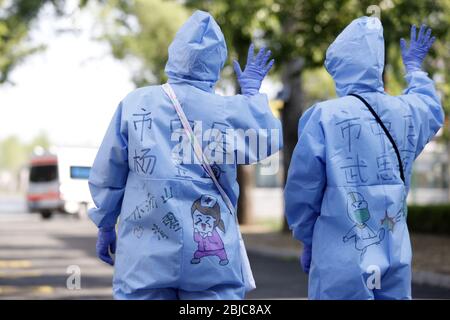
58,182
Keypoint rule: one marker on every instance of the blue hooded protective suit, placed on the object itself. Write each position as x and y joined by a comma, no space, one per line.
344,195
176,237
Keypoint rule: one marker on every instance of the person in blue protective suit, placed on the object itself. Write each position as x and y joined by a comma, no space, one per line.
176,238
345,198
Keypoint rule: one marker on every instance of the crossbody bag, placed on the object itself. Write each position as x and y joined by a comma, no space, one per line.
247,274
386,131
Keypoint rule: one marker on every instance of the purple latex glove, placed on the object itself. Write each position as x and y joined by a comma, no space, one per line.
418,48
255,70
106,244
305,260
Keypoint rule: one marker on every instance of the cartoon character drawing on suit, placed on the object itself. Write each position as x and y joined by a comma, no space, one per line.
206,219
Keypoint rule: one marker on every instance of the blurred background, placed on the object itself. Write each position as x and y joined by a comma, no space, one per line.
66,64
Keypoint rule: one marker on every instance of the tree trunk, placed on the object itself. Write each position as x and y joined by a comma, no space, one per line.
291,112
245,173
447,182
245,179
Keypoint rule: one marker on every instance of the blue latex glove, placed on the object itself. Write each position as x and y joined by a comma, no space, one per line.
418,48
305,260
106,244
255,70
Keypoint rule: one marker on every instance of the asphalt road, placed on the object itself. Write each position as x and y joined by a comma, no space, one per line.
38,260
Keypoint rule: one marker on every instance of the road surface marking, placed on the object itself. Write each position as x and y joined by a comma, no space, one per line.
15,264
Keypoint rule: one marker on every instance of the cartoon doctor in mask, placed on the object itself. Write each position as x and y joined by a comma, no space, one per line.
358,212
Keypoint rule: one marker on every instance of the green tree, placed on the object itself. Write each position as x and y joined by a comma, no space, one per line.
299,32
16,20
140,32
143,39
12,153
41,140
397,17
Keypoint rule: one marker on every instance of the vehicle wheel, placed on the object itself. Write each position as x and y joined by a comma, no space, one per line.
82,212
46,214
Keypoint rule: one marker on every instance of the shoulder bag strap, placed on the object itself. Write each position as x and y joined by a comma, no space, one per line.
388,135
196,145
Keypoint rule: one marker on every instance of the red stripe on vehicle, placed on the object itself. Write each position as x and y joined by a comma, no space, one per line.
43,196
44,161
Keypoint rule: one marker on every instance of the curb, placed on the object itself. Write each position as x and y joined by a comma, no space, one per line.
273,252
431,278
419,277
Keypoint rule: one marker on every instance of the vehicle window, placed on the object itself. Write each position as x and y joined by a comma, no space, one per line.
43,173
80,172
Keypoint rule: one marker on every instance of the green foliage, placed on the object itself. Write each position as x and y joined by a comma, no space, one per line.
14,153
140,31
14,25
304,29
397,17
429,219
318,85
291,28
41,140
16,18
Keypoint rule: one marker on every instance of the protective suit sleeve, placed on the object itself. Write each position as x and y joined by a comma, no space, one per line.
109,173
306,179
425,106
257,132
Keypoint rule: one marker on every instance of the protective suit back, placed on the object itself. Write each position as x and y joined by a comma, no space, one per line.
344,196
175,231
